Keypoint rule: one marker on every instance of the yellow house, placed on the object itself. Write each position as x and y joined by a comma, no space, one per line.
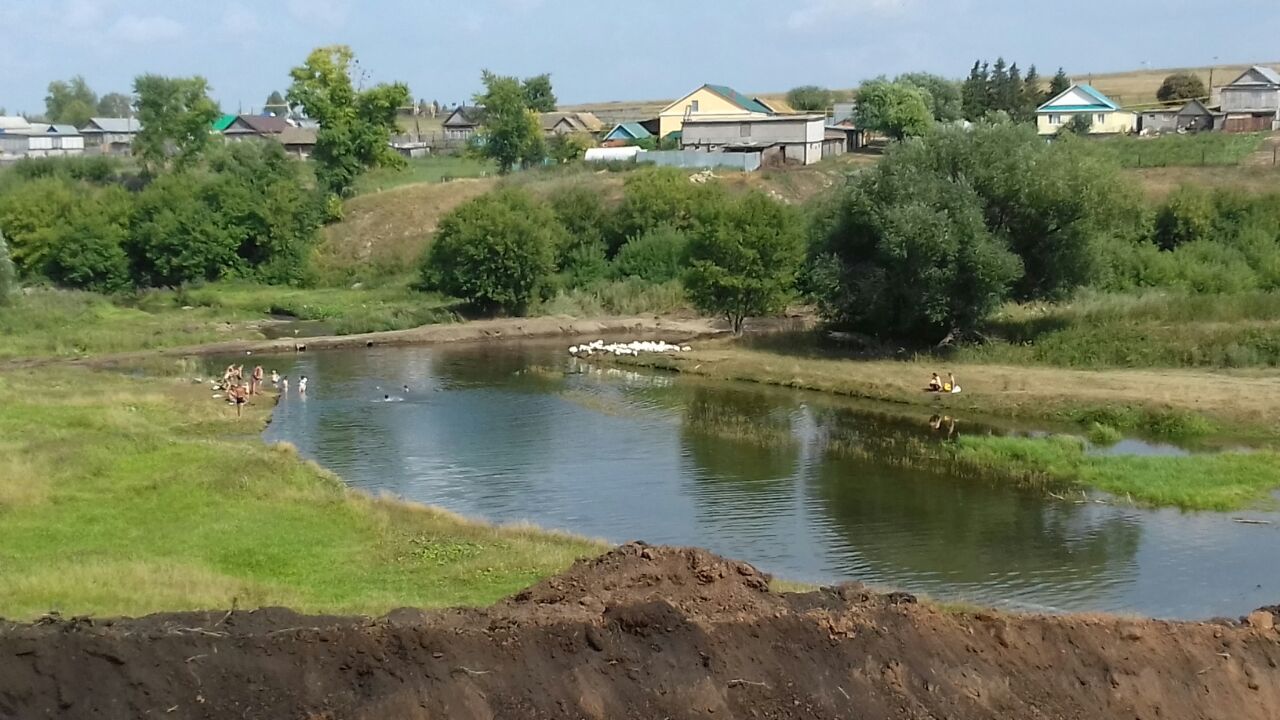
1105,117
709,102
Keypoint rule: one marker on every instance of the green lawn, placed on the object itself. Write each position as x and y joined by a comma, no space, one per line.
128,496
433,169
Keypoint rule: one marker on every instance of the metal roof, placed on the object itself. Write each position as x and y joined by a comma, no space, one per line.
11,123
113,125
633,129
1103,102
223,123
257,125
740,119
1271,76
739,99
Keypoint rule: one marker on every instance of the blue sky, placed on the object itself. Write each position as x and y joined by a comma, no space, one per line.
595,52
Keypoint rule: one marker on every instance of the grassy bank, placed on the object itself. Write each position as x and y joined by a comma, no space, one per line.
127,496
433,169
66,324
1202,149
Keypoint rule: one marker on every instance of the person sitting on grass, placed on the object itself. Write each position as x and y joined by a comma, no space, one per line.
935,383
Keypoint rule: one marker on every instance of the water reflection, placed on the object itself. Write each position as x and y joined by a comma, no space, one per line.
807,486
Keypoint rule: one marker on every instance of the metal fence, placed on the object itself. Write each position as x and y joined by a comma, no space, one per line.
693,159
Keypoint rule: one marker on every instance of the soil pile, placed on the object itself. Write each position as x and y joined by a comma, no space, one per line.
643,632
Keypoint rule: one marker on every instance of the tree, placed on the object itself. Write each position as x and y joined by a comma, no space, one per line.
495,251
115,105
659,196
944,95
72,102
8,275
1032,95
973,92
512,134
658,256
744,256
998,88
1181,86
580,258
907,256
276,104
175,114
177,235
538,94
809,98
1187,216
1079,124
1059,84
567,148
355,125
898,110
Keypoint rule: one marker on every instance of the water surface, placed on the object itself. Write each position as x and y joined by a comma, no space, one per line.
510,433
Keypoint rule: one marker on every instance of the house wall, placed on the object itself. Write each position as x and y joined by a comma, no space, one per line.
802,138
1157,122
1239,99
14,145
1111,123
710,104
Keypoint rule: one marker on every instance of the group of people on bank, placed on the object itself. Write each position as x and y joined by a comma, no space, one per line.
238,389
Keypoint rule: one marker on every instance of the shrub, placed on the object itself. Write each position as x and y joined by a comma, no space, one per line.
177,236
85,249
659,196
8,275
580,258
496,251
1188,215
658,256
744,256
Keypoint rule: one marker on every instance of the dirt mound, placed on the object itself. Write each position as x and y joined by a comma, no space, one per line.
642,632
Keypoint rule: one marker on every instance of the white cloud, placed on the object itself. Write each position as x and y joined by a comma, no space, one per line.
330,13
815,14
81,14
148,29
240,22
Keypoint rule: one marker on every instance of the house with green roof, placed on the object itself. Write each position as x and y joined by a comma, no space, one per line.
1105,116
709,102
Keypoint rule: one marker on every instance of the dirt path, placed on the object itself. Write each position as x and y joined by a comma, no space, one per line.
645,633
479,330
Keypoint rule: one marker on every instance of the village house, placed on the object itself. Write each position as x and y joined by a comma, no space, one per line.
1193,116
795,139
15,137
51,140
1106,117
1251,102
298,142
709,102
626,133
255,127
570,123
111,136
462,123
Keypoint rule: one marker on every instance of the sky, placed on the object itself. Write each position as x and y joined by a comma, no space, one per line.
596,52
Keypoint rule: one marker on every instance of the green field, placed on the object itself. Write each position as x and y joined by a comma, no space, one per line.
125,496
433,169
1201,149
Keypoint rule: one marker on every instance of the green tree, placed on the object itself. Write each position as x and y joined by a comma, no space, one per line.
115,105
658,196
276,104
355,125
944,95
998,89
973,92
1079,124
898,110
1181,86
8,274
495,251
512,134
658,256
86,249
1059,84
809,98
1187,216
538,93
744,255
907,256
1032,95
580,257
564,149
178,236
30,214
72,102
175,114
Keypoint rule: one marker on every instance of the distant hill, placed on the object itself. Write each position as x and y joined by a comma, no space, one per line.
1130,88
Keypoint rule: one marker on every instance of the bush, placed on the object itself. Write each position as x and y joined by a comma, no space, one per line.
1187,216
659,196
178,236
580,258
744,256
496,251
8,275
85,249
660,255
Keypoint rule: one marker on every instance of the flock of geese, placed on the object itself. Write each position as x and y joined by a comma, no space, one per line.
632,348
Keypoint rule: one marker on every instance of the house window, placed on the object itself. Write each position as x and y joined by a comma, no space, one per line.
744,129
1102,119
693,106
1055,119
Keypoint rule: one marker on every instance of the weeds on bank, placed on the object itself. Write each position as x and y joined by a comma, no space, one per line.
122,496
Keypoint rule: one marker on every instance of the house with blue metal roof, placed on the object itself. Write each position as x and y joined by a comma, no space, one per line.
1105,116
710,102
628,132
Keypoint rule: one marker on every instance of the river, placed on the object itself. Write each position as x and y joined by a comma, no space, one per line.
524,433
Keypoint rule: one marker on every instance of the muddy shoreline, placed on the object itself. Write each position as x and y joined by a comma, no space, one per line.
504,329
644,632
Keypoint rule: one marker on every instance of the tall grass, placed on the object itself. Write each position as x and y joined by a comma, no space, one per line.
156,510
616,297
1180,150
432,169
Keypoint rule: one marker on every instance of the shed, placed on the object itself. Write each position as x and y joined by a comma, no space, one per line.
299,142
1158,120
1251,102
111,136
799,138
1195,116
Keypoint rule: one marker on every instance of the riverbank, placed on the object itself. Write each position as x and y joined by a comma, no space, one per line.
1211,409
123,495
646,632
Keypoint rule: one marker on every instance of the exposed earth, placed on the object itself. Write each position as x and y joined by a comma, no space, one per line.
645,632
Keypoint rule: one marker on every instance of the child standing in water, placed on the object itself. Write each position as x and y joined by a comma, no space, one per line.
302,385
284,386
